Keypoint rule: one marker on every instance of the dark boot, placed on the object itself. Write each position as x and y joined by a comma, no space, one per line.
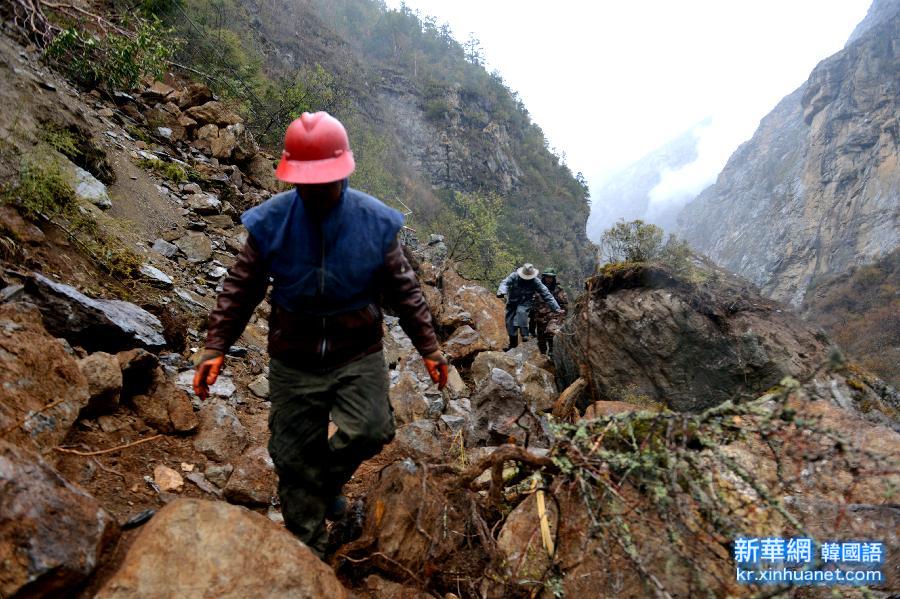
513,342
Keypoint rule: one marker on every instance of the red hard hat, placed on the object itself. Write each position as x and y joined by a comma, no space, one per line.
316,150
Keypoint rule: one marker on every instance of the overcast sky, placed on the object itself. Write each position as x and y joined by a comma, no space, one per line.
610,81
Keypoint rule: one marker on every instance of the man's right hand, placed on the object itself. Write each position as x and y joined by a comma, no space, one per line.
209,364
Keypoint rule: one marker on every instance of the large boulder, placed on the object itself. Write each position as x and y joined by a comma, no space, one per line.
94,324
802,461
422,439
223,145
649,336
245,146
196,247
196,548
42,390
195,94
464,343
52,534
501,414
525,364
476,306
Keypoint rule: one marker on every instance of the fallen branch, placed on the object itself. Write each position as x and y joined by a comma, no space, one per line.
102,451
566,401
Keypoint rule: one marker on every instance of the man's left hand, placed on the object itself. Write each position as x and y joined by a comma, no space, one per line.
438,368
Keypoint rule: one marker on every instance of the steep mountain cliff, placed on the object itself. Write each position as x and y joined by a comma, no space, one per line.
815,191
426,119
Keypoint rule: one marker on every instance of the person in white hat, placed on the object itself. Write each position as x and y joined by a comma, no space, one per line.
519,289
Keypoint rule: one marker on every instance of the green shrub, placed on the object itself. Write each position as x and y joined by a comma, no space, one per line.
637,241
116,61
62,140
168,170
42,190
471,230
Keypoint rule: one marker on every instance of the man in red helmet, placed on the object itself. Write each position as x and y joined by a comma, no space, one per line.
332,256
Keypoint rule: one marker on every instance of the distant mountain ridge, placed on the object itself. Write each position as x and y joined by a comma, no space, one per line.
627,194
815,191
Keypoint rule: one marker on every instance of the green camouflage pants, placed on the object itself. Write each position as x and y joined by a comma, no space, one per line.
311,467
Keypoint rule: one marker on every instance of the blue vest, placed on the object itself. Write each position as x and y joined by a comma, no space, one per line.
328,267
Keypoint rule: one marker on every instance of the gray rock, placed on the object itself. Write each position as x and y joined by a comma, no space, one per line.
421,438
204,203
501,414
188,298
195,246
253,481
217,272
459,407
223,387
164,132
164,248
89,189
158,277
454,423
221,435
218,474
260,386
203,484
94,324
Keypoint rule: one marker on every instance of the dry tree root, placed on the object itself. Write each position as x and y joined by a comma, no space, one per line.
432,521
29,19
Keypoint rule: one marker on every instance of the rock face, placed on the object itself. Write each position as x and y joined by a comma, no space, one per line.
94,324
815,190
52,534
648,337
36,372
213,549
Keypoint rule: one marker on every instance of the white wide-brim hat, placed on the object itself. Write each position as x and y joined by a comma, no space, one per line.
528,271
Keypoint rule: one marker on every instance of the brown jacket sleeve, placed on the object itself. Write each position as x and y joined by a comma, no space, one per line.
243,289
404,296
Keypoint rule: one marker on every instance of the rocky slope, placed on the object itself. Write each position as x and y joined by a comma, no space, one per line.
815,191
115,481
